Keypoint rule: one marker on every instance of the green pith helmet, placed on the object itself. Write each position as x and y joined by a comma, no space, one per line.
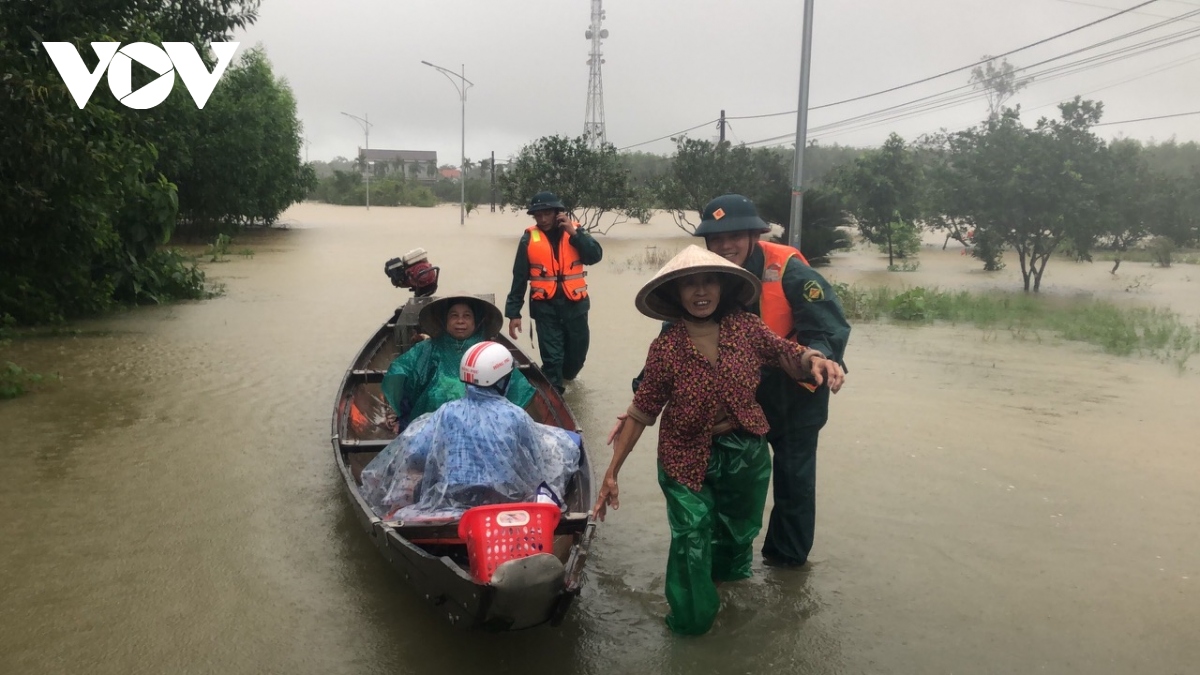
730,213
544,201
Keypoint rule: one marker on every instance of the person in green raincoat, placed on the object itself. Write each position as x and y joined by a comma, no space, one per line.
714,468
423,378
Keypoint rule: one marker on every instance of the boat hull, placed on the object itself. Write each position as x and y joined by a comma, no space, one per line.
429,556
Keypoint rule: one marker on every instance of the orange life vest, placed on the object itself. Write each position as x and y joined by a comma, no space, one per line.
774,307
546,271
773,304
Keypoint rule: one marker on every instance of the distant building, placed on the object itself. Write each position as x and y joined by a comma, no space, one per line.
419,165
452,174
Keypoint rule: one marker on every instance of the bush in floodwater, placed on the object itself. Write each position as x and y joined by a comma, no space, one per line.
1117,330
1160,249
909,306
219,248
14,379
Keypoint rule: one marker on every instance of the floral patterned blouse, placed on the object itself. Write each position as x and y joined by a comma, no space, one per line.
693,390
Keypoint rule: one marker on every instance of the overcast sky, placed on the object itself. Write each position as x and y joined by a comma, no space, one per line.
674,64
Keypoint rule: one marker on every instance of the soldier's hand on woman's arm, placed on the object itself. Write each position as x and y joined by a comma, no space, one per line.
827,371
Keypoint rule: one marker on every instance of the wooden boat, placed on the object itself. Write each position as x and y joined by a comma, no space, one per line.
429,554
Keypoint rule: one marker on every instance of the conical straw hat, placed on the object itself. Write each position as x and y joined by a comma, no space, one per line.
433,315
656,301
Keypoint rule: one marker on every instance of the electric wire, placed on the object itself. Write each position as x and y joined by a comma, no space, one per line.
963,99
661,138
968,92
869,120
959,69
972,95
1146,119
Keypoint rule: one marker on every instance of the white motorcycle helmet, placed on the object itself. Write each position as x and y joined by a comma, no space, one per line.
487,364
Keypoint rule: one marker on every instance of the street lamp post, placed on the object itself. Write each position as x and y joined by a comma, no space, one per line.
367,141
461,87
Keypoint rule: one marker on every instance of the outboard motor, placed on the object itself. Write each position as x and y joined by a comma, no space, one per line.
414,272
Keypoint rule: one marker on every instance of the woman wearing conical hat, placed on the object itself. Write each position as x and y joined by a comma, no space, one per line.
426,376
713,463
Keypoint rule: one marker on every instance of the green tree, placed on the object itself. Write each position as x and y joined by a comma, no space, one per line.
245,166
702,170
880,188
1127,190
1172,158
998,81
1174,206
1034,189
942,194
86,197
592,182
820,161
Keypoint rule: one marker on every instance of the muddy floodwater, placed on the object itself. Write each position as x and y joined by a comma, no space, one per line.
988,502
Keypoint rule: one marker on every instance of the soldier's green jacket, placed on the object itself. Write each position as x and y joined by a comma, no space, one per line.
819,323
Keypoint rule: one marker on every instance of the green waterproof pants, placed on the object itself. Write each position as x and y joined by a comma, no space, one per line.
713,530
564,346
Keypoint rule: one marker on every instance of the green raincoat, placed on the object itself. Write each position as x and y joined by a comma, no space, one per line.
426,376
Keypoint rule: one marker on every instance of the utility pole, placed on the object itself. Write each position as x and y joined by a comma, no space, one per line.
801,131
462,187
721,127
366,125
493,168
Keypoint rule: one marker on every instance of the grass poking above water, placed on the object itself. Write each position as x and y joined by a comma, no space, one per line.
1122,331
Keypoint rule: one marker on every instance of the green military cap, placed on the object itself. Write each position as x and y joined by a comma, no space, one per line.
730,213
544,201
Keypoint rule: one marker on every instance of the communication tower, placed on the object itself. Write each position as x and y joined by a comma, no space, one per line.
593,119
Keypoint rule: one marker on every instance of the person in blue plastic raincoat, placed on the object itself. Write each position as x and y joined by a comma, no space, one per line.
426,376
480,449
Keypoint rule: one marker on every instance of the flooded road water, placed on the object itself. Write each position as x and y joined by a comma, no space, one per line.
986,504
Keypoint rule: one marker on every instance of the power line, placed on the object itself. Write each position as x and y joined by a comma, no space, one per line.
1088,4
962,68
755,117
683,131
948,72
949,98
1052,71
1144,74
1146,119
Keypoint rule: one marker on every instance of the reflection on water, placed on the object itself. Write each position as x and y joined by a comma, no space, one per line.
987,505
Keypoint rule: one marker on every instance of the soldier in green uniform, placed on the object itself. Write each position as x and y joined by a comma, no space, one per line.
799,304
550,260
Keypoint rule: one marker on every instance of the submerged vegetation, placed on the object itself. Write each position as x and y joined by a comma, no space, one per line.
14,380
92,197
1122,331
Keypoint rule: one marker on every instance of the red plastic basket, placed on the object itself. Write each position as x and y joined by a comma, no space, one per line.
497,533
